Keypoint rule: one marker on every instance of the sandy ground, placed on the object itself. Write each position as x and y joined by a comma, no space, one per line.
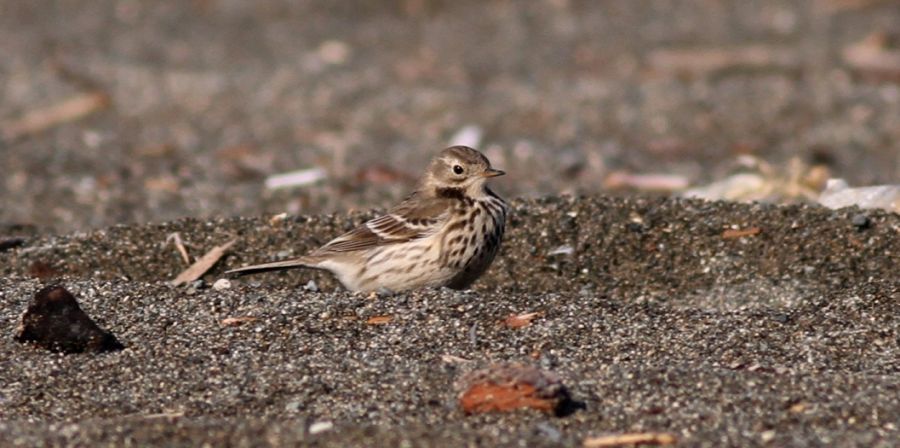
651,315
655,321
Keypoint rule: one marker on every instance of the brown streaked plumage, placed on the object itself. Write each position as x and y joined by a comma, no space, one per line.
446,233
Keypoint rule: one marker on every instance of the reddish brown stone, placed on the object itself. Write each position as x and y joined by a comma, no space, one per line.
511,386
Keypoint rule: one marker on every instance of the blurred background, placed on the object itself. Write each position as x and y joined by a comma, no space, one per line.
123,111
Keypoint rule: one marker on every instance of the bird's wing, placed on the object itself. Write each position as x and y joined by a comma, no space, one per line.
412,219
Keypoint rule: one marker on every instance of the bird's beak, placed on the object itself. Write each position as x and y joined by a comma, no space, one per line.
490,172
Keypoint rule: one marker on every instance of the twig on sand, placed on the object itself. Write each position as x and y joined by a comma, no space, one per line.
297,178
700,61
175,414
202,265
871,56
379,320
237,321
175,238
70,109
837,6
730,234
646,182
646,438
453,359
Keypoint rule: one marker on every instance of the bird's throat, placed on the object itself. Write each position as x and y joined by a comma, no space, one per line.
451,193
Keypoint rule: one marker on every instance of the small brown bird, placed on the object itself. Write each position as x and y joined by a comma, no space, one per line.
446,233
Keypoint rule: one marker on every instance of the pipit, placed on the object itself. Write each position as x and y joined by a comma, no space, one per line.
446,233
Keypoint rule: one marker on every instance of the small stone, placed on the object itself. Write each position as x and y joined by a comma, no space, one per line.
278,219
860,221
634,227
10,243
194,287
521,320
767,436
384,292
334,52
782,318
55,322
549,432
318,427
222,284
293,406
508,386
311,286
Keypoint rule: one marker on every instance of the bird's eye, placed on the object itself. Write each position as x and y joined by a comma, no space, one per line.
457,169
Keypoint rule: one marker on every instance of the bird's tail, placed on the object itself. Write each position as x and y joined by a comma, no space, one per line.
303,262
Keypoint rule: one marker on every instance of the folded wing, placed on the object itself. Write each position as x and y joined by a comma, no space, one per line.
412,219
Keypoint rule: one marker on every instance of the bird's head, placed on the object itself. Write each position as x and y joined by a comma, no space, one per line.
460,168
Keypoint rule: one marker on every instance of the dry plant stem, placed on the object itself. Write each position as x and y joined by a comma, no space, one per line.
738,233
163,415
706,60
872,56
175,238
202,265
837,6
646,438
39,120
236,321
379,320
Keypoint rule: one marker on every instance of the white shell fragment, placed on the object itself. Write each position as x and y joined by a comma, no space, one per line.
739,187
469,135
318,427
562,250
838,194
297,178
222,283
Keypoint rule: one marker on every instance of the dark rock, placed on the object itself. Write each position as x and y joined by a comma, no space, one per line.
861,221
10,243
55,322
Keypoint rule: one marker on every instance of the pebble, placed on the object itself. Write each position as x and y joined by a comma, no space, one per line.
548,431
222,284
319,427
861,221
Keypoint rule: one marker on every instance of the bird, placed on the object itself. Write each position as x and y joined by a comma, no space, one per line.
445,234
